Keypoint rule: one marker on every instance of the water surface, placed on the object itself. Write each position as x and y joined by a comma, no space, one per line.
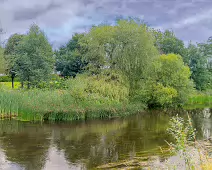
86,145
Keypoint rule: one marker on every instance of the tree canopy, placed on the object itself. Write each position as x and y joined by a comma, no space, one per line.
35,59
10,54
155,66
69,61
127,47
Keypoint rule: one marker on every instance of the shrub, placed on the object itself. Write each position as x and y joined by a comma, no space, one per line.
8,79
99,89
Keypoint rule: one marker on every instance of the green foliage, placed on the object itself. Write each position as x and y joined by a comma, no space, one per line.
127,47
171,72
55,82
123,65
2,61
10,53
168,43
102,89
168,85
69,60
201,100
34,57
164,96
184,136
5,79
12,43
7,85
197,62
59,105
183,133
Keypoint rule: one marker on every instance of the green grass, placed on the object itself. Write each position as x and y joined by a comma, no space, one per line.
8,85
58,105
201,100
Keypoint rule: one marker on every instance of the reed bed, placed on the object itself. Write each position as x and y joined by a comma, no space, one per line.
57,105
200,101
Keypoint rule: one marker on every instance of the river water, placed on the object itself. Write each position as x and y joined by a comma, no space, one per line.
86,145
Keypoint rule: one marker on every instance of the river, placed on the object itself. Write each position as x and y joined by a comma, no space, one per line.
86,145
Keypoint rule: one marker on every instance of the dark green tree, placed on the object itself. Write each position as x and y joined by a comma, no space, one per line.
167,43
197,61
69,61
10,54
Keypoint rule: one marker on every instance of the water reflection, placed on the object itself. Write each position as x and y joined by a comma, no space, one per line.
85,145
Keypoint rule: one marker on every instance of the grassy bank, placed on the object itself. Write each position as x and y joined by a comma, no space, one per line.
201,100
58,105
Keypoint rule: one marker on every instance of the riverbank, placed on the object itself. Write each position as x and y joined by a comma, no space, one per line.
79,101
199,101
60,105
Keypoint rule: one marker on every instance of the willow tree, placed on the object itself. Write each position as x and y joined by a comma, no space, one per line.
127,47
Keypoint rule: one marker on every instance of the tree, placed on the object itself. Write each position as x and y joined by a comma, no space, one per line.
167,43
197,62
69,58
10,54
168,85
127,47
35,60
172,73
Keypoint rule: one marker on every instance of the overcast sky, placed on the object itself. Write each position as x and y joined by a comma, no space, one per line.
189,19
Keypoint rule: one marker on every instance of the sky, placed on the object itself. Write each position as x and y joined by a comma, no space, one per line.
60,19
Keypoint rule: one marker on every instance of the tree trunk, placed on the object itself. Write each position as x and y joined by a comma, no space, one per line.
12,81
22,84
28,83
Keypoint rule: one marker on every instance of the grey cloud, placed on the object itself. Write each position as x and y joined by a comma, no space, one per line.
32,13
61,18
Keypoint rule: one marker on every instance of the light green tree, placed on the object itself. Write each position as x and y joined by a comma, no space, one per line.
172,73
169,83
127,47
35,59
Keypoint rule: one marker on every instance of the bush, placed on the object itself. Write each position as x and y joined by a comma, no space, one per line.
99,89
56,82
8,79
163,96
5,79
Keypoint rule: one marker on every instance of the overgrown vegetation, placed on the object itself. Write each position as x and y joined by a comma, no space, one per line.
186,146
128,64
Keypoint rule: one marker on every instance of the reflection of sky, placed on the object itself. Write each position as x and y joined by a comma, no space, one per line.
56,160
7,165
206,128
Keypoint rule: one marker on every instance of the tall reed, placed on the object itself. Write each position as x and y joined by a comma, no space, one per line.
58,105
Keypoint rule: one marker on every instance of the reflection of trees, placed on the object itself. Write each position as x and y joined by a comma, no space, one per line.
24,144
143,133
92,143
109,142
